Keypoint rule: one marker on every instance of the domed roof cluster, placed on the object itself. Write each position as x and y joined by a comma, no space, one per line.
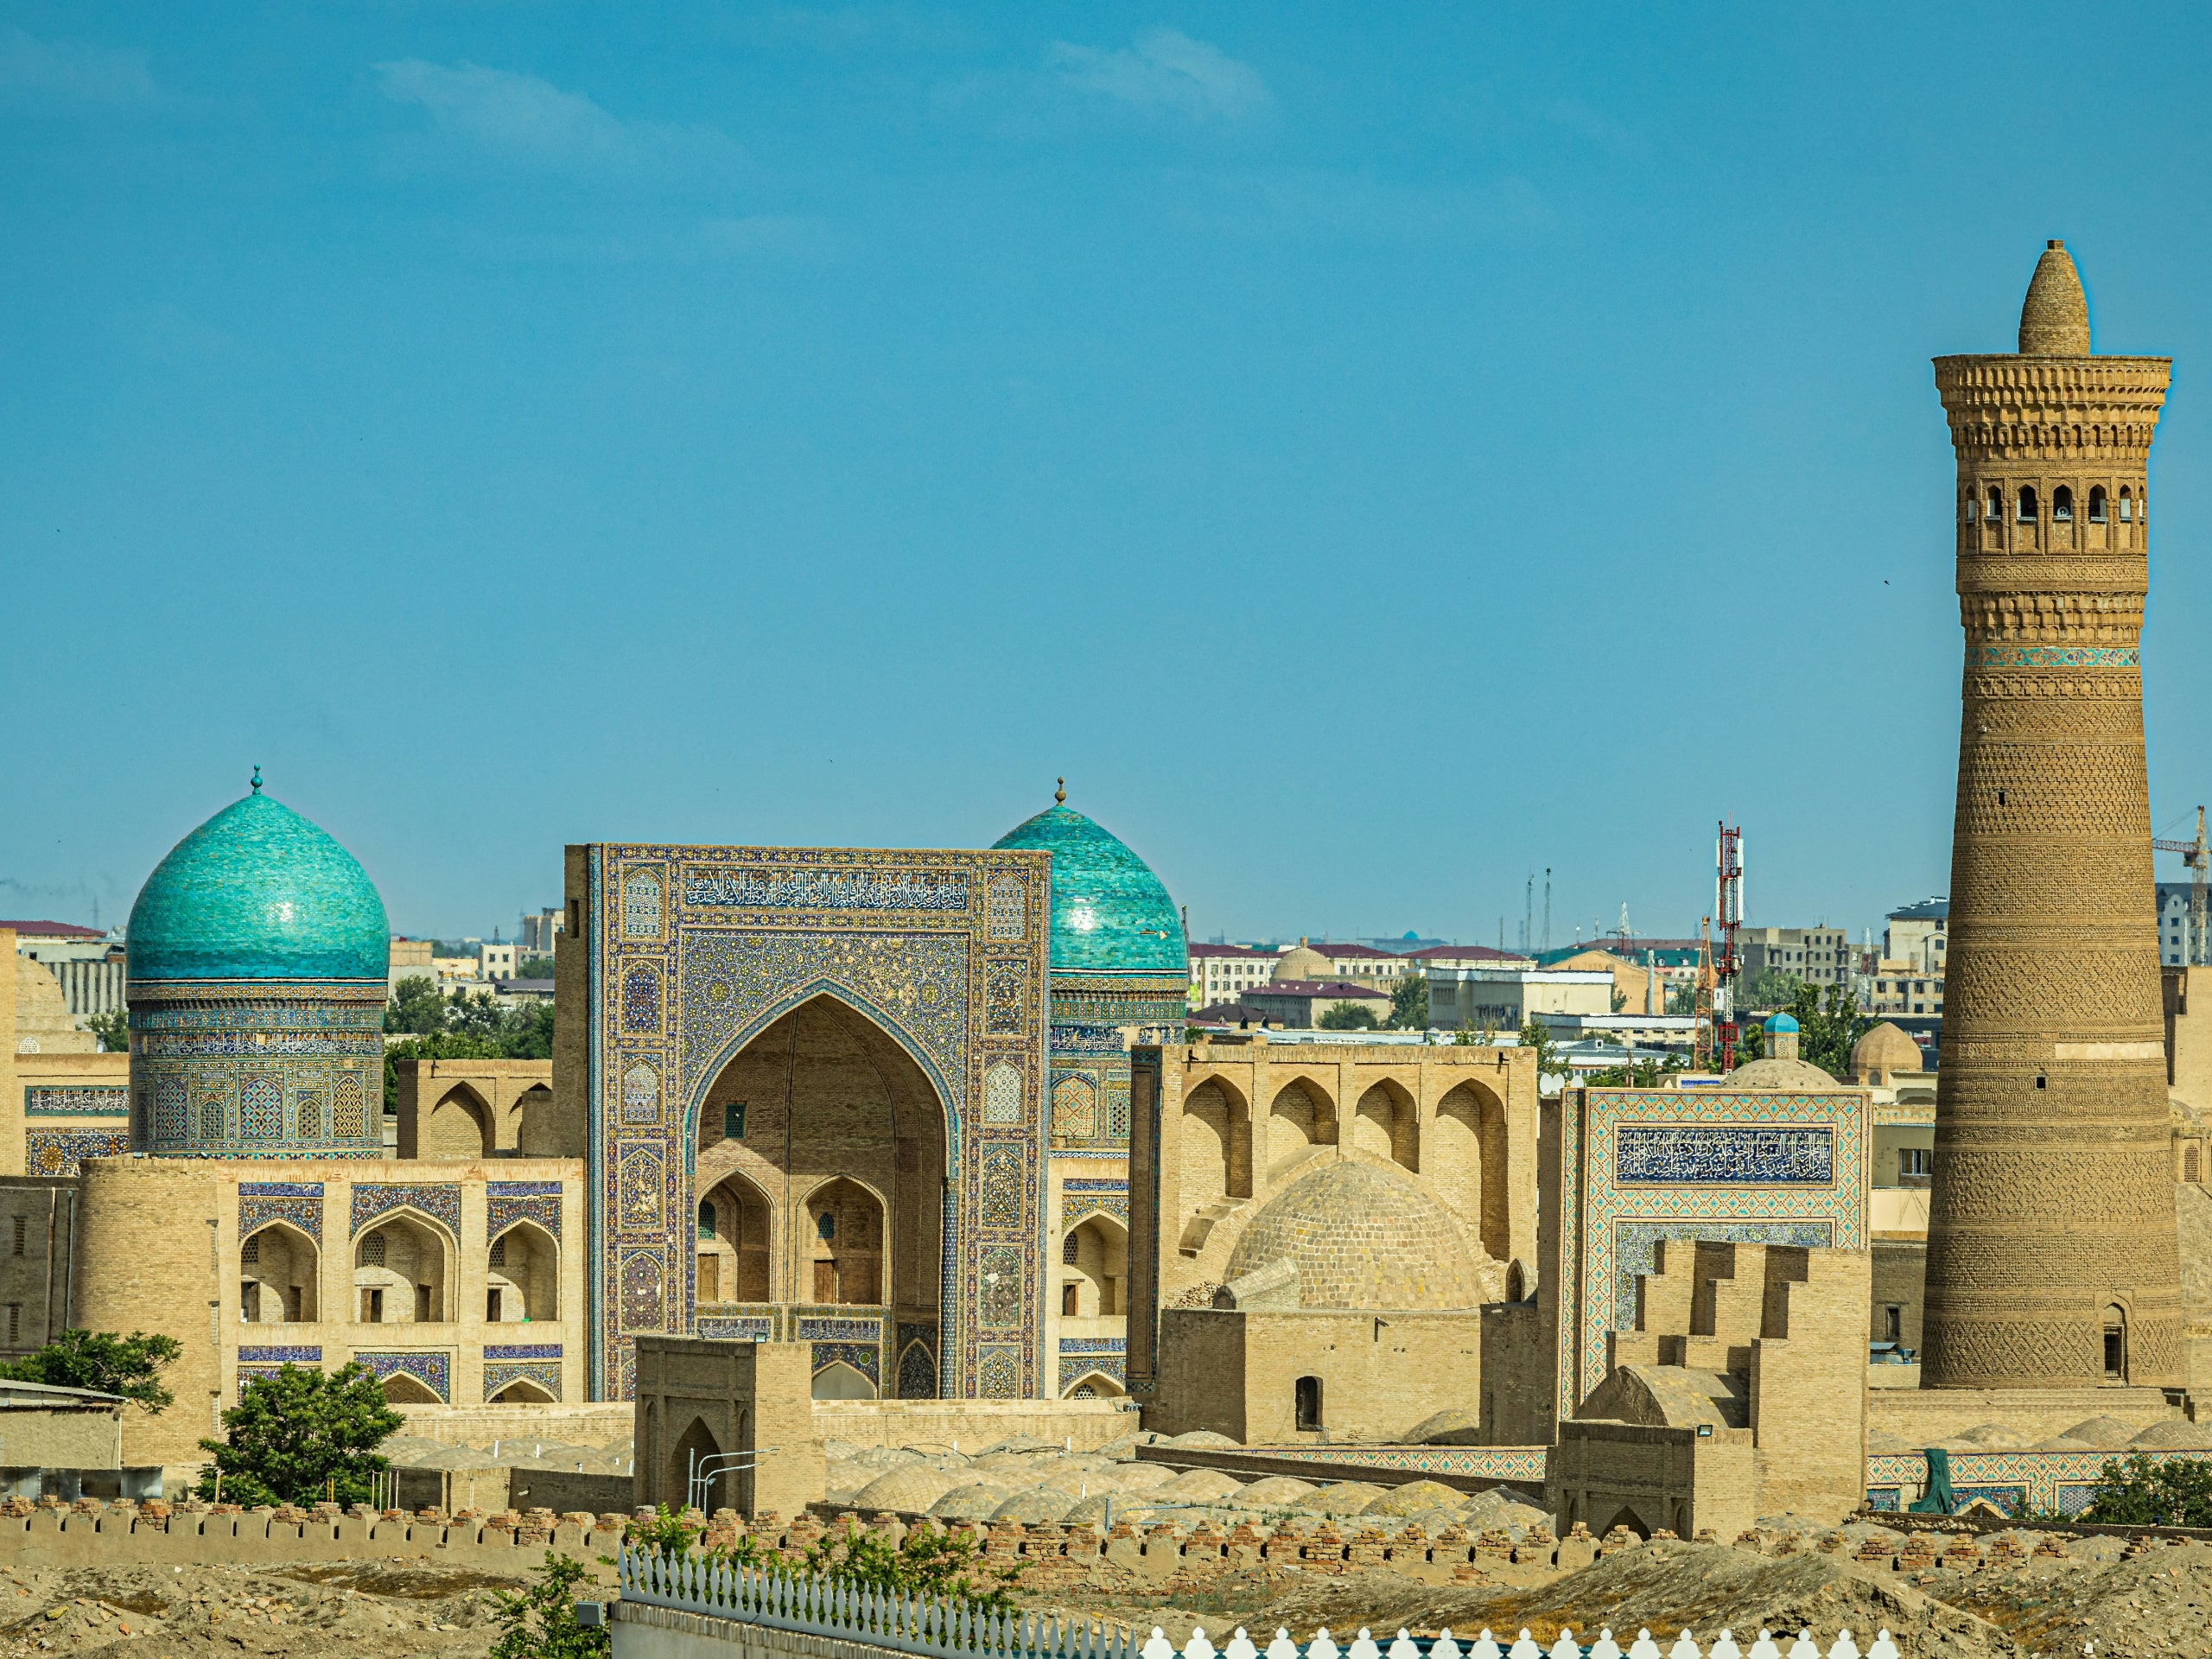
258,892
1110,914
1362,1237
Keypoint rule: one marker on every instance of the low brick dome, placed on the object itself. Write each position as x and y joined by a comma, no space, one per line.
1884,1048
1300,961
1364,1238
1784,1077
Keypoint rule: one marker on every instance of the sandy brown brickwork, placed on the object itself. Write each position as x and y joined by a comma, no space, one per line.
2053,1221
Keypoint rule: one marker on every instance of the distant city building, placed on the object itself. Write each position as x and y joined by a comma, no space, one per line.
2174,940
1502,999
85,962
538,930
1221,973
1919,934
1299,1004
1819,955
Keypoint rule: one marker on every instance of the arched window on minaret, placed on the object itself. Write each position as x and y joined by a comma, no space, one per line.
2027,504
1966,508
2062,506
2126,505
2096,504
1996,504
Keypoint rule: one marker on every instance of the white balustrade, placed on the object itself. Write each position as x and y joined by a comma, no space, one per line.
944,1629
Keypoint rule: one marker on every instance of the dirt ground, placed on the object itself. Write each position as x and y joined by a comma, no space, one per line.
2153,1607
378,1609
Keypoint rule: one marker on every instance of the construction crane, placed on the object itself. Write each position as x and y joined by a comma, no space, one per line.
2197,856
1728,962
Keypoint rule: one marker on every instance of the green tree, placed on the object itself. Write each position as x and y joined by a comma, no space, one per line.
1829,1025
1767,990
927,1561
534,968
1637,1074
2141,1493
540,1622
415,1007
300,1434
445,1046
1682,999
113,1029
1409,1001
100,1360
1346,1016
1536,1034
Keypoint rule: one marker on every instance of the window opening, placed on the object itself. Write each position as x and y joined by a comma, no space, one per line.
249,1251
491,1305
1996,504
1068,1301
2027,505
733,1120
1307,1403
2126,505
2096,504
423,1304
1893,1323
499,1251
2062,506
706,1218
2116,1344
372,1306
250,1301
373,1250
1068,1250
825,1225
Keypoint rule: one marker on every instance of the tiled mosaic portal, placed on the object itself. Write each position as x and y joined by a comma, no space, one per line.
503,1374
944,952
374,1199
299,1203
1747,1167
506,1203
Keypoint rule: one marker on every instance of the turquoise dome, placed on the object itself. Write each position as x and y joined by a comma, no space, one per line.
259,892
1110,913
1781,1022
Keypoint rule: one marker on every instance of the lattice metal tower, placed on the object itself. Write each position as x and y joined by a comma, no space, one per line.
2051,1253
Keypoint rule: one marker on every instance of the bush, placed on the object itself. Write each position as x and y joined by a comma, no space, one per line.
102,1361
927,1561
540,1622
2141,1493
303,1436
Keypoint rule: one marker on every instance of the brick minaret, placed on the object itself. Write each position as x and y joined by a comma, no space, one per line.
2051,1253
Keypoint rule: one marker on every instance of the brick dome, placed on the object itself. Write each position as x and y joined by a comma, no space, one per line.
1364,1237
1885,1049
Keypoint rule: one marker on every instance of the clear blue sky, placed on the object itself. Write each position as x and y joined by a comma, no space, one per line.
1374,454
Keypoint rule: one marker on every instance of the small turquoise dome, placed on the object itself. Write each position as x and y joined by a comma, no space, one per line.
1781,1022
1110,915
259,892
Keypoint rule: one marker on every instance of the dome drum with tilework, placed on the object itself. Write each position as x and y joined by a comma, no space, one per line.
258,951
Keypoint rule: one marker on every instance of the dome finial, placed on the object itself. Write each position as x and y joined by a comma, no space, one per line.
2054,317
257,780
1060,794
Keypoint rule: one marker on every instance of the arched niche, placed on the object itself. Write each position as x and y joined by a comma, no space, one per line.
1093,1385
1094,1271
694,1447
399,1271
838,1381
843,1245
1300,1117
458,1127
278,1268
824,1092
401,1389
521,1275
522,1392
1387,1124
734,1221
1467,1165
536,1135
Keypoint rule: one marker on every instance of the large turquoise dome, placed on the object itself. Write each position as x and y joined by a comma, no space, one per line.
1110,915
258,892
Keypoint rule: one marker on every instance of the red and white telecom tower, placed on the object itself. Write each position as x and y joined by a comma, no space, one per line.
1727,961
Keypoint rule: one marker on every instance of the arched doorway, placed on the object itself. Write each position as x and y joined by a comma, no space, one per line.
399,1273
1094,1270
277,1268
459,1126
693,1447
401,1389
821,1174
522,1276
838,1381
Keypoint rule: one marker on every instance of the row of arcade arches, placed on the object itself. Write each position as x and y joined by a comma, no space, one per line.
399,1274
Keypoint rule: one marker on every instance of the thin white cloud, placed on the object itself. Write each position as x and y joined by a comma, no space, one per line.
520,120
68,76
1359,208
1166,69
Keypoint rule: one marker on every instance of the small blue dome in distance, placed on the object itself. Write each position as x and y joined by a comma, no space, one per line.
1781,1022
259,892
1110,915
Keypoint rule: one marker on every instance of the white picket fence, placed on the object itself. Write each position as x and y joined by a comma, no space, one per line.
950,1630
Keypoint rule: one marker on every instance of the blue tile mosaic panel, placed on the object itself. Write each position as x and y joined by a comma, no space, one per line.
58,1152
280,1355
750,1328
506,1373
374,1199
506,1203
1689,1154
75,1100
297,1203
1075,1366
816,1329
862,1357
822,889
433,1371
